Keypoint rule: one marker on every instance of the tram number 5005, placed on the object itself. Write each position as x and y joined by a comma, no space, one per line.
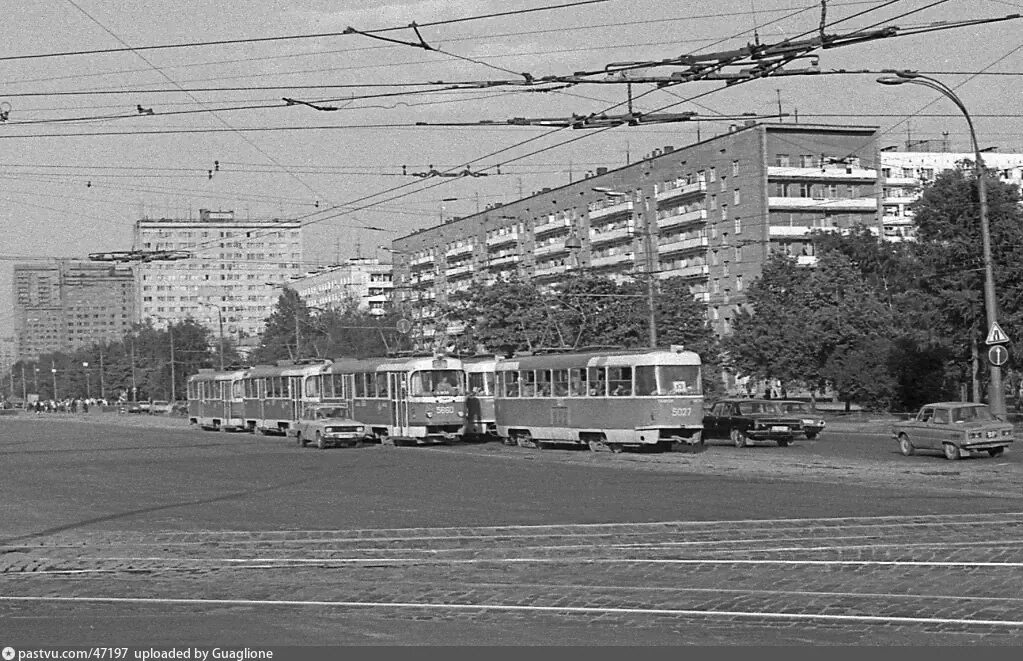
681,412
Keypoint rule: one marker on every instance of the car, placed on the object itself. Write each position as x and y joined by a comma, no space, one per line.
745,421
159,407
813,424
329,425
956,429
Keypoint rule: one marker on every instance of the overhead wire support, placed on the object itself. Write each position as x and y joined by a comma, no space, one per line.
314,106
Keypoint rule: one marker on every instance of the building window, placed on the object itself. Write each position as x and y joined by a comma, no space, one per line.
738,283
738,226
712,175
781,160
736,197
806,160
735,168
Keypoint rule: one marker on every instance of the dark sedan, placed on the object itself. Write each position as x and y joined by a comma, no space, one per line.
745,421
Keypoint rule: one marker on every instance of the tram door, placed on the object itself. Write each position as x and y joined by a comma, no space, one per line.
399,403
296,396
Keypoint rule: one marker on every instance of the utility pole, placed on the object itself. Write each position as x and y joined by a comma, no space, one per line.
53,371
24,387
102,384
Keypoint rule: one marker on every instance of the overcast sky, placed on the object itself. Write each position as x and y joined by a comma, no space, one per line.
79,169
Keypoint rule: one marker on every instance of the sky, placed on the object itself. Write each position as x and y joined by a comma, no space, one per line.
83,158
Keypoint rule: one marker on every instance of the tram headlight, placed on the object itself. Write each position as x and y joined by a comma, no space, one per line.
429,414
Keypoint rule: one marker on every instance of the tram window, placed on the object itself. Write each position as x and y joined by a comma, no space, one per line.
646,380
577,382
312,386
679,379
381,378
543,383
560,381
510,384
619,381
477,386
597,381
338,384
360,385
527,383
236,389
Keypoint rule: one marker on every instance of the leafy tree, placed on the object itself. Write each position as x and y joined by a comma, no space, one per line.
289,333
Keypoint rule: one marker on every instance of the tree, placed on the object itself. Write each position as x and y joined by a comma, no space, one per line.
289,332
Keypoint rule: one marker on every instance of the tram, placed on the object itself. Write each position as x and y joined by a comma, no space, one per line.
275,396
408,400
607,400
215,400
480,421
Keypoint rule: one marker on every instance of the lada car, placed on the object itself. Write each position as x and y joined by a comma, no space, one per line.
329,425
955,428
813,423
745,421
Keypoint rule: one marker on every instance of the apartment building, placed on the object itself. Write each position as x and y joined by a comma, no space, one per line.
709,212
62,305
905,173
364,281
233,274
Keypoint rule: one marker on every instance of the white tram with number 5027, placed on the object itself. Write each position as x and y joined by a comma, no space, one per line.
607,400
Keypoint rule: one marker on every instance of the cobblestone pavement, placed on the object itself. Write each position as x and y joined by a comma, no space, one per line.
937,580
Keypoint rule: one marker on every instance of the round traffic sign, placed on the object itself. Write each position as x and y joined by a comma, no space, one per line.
998,355
404,326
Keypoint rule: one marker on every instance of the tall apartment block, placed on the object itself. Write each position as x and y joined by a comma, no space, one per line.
362,281
709,212
234,274
905,173
63,305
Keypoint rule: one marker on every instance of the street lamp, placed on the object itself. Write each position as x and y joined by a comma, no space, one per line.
996,397
53,371
649,258
85,368
220,321
170,333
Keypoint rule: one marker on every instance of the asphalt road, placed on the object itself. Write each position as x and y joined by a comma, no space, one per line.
144,532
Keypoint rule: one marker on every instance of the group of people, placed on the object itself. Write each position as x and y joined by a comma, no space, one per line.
60,406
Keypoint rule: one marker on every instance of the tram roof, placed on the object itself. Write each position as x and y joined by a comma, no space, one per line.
602,359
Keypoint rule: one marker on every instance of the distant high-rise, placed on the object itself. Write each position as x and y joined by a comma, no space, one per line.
235,270
362,281
64,304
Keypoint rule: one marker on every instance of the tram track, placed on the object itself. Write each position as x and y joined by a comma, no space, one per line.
857,574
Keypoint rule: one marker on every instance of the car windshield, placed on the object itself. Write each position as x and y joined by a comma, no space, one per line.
331,412
794,407
972,414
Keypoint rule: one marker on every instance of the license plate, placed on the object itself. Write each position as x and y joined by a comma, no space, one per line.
779,428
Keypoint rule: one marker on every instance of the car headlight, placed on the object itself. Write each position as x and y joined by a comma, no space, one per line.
429,414
975,434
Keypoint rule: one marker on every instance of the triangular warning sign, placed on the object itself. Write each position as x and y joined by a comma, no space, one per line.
996,335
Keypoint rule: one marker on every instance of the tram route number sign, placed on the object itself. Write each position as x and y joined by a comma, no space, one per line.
998,355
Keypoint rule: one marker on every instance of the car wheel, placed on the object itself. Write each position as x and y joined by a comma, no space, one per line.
739,438
810,435
905,446
782,443
298,439
319,441
951,451
995,452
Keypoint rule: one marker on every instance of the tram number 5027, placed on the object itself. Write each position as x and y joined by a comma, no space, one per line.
681,412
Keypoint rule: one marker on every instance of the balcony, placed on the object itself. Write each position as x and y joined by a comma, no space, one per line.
552,224
861,204
795,231
612,260
544,270
695,243
456,271
506,260
682,217
608,236
550,249
502,239
901,182
609,208
829,173
695,271
683,190
419,261
458,251
806,260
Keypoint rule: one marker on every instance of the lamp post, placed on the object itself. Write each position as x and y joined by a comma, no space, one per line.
996,396
220,322
53,371
85,368
648,252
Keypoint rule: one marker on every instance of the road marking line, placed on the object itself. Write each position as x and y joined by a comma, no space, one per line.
572,560
537,609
